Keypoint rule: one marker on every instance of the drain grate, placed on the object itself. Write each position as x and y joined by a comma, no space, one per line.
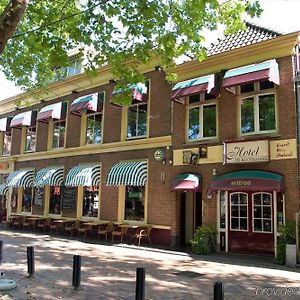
189,274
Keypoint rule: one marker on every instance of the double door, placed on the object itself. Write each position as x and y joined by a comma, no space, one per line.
250,222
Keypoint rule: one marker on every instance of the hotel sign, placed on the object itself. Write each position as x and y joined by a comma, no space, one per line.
246,152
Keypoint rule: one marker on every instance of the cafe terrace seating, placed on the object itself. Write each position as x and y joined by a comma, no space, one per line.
105,229
71,227
44,224
83,228
143,233
119,230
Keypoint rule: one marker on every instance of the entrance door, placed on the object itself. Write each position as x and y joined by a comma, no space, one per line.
191,215
251,222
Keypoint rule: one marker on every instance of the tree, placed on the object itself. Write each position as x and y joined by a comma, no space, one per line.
114,31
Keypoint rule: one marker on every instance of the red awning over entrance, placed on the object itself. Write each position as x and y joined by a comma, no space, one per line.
186,182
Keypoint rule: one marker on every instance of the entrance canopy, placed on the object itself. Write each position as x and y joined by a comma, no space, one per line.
187,182
53,176
21,178
128,173
267,70
3,189
248,180
193,86
84,175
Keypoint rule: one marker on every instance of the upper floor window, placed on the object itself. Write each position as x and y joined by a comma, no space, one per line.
30,141
137,120
94,128
6,146
202,117
59,131
74,68
257,108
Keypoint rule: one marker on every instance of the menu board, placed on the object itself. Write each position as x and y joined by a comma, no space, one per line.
69,197
38,197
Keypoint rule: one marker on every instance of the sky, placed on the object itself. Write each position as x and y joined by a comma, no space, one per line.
278,15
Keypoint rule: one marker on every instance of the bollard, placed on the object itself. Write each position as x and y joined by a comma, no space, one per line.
140,284
76,271
30,260
1,251
218,291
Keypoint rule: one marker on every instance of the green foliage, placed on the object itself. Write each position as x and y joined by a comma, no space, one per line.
287,236
204,240
116,32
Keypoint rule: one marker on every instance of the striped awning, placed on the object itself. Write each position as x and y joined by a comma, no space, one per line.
85,103
267,70
85,175
3,189
21,178
193,86
52,111
248,180
22,119
53,176
5,124
128,173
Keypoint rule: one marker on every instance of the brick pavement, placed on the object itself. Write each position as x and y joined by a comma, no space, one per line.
108,271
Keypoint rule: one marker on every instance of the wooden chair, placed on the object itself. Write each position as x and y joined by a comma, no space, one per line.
105,229
72,226
18,223
43,224
118,231
143,233
26,224
55,226
83,228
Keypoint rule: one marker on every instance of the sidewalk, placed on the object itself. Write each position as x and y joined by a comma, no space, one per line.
108,272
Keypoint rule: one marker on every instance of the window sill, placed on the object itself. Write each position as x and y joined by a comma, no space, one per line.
214,141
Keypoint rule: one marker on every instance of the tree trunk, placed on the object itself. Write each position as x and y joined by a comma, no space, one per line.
10,19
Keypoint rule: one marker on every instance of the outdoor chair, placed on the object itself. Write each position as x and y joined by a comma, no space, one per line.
55,226
143,233
71,227
82,228
18,223
105,229
119,231
26,224
43,224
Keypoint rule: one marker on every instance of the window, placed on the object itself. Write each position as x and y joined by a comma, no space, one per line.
222,209
14,200
202,117
28,195
55,203
262,212
94,128
74,68
258,110
90,202
30,139
137,120
59,130
6,148
134,203
238,211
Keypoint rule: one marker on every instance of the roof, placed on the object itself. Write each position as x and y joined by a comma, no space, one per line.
253,34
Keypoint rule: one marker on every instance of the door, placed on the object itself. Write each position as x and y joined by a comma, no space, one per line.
251,222
191,215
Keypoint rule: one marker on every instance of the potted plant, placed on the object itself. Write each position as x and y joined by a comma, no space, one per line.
204,240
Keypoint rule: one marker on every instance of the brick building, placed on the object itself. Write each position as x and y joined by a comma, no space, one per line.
219,147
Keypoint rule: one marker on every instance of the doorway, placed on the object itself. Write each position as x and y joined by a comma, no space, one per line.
190,215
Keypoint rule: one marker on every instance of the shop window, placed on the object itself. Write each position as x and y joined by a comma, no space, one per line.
239,211
6,144
30,141
202,117
94,128
222,209
137,120
27,197
14,200
55,202
134,203
39,196
90,202
280,210
59,132
258,110
262,212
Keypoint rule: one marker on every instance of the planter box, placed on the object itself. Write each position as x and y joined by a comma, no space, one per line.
290,255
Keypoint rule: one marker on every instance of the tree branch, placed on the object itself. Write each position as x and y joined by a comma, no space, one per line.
10,19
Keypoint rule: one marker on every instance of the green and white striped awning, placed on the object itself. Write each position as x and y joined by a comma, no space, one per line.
128,173
3,189
53,176
21,178
85,175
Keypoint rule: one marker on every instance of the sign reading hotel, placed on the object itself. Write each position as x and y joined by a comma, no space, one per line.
246,152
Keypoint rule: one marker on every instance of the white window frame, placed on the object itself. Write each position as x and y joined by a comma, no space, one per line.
247,218
86,127
53,132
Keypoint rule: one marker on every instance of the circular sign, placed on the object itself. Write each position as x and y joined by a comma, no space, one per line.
159,155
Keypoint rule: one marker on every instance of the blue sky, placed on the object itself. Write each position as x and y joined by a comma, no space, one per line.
279,15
